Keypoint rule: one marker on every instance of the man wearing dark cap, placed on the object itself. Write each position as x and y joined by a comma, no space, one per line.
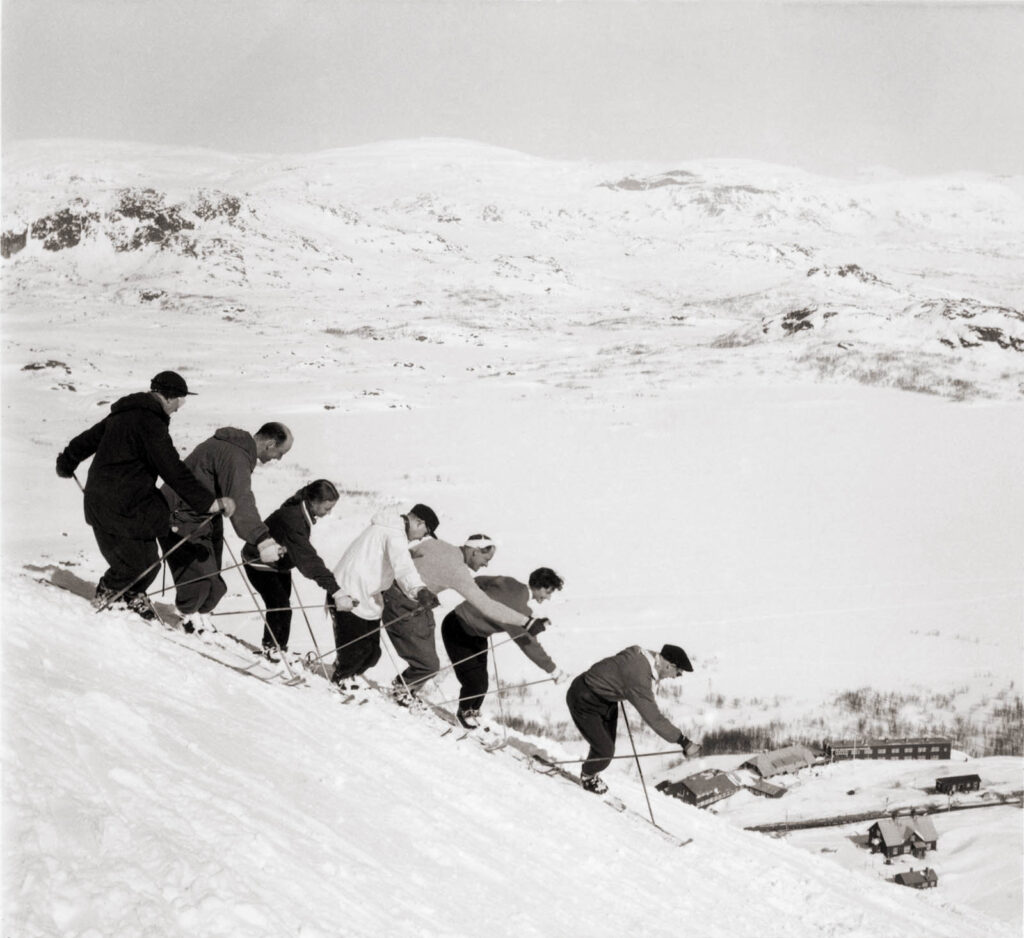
132,447
593,699
376,559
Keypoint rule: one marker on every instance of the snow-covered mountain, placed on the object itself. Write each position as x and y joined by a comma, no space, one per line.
914,283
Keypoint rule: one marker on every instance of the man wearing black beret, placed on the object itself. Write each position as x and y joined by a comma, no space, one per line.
593,699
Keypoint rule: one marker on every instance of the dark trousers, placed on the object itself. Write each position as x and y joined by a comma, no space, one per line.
196,564
472,673
596,718
275,587
127,557
361,654
413,639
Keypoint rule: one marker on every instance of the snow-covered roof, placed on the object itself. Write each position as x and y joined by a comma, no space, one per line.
789,759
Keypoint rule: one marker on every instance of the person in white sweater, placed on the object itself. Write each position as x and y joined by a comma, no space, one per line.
378,558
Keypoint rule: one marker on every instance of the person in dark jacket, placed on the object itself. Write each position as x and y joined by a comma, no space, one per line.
593,699
224,463
131,447
291,526
465,631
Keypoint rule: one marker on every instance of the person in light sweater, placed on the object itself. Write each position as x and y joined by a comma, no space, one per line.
465,632
593,699
442,566
376,560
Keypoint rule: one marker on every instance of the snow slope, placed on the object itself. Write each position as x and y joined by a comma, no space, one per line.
150,792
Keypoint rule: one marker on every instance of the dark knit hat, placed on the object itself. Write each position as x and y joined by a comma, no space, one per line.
427,516
170,384
673,654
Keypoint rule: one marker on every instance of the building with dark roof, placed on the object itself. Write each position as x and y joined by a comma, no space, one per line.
702,788
922,747
948,784
918,879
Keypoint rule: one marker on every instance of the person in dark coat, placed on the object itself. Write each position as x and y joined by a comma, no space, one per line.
291,526
131,448
224,463
465,631
593,699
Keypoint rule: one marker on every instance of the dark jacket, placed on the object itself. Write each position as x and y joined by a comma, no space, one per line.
132,446
509,592
628,676
224,463
291,526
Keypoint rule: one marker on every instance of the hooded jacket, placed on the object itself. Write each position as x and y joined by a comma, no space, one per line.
376,559
629,675
509,592
132,447
224,464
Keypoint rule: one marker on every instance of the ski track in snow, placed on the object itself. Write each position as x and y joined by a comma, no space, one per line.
151,792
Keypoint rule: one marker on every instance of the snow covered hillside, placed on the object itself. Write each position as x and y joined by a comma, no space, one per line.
151,792
724,265
591,365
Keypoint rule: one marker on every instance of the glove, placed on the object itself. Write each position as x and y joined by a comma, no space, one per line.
270,550
559,676
690,749
225,506
65,467
343,602
536,625
427,599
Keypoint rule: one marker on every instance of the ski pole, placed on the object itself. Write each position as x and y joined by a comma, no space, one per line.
383,625
632,746
309,625
635,755
476,654
499,690
497,684
79,484
197,579
263,615
156,563
248,612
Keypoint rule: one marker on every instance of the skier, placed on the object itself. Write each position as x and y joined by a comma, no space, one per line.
377,559
291,526
443,566
224,463
132,446
593,699
465,630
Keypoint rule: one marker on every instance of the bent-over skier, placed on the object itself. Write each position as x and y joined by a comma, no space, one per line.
593,699
465,631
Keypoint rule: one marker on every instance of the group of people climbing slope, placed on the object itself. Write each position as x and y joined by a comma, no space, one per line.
388,579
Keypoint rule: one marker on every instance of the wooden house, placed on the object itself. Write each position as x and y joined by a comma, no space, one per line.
918,879
779,761
922,747
894,837
702,788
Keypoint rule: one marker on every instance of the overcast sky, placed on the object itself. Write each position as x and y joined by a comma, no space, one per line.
830,87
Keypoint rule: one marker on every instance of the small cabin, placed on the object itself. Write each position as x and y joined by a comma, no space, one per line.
949,784
918,879
914,835
702,788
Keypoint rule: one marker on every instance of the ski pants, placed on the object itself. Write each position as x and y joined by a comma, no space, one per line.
275,587
468,655
413,639
361,651
128,557
196,565
596,718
